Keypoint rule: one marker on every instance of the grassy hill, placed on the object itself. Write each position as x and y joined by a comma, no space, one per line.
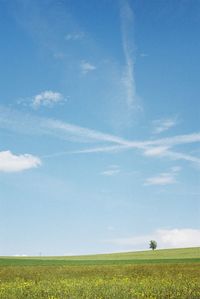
180,255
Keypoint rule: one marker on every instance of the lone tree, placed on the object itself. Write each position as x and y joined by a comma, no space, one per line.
153,244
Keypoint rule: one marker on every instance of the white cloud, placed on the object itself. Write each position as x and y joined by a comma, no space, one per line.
165,178
111,171
15,163
87,67
185,237
166,238
162,125
144,55
46,98
74,36
161,179
156,151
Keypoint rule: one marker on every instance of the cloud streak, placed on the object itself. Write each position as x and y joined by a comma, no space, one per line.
127,23
11,120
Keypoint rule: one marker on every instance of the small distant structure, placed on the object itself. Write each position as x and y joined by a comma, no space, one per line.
153,244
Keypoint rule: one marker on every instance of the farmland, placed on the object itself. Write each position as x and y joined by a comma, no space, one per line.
171,273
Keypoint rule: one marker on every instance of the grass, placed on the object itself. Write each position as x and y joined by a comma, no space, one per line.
173,274
177,253
82,262
180,255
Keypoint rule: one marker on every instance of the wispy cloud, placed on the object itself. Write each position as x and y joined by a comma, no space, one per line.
144,55
156,151
165,178
46,98
81,134
162,125
74,36
87,67
11,120
15,163
161,179
149,149
166,238
127,25
112,170
59,55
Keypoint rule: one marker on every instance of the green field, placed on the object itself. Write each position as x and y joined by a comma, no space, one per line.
173,273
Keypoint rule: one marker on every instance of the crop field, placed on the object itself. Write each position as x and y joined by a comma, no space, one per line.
159,274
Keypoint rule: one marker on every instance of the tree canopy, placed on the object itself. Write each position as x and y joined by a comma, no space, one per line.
153,244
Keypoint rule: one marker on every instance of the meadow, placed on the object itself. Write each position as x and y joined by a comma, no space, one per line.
156,274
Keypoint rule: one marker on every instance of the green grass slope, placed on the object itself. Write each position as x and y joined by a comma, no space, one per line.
178,253
181,255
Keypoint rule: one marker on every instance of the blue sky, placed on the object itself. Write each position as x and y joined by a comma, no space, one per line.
99,126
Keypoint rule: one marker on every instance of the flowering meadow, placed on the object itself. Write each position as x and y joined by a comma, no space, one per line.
122,281
170,274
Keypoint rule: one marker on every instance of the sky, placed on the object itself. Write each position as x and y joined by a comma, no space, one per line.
99,126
